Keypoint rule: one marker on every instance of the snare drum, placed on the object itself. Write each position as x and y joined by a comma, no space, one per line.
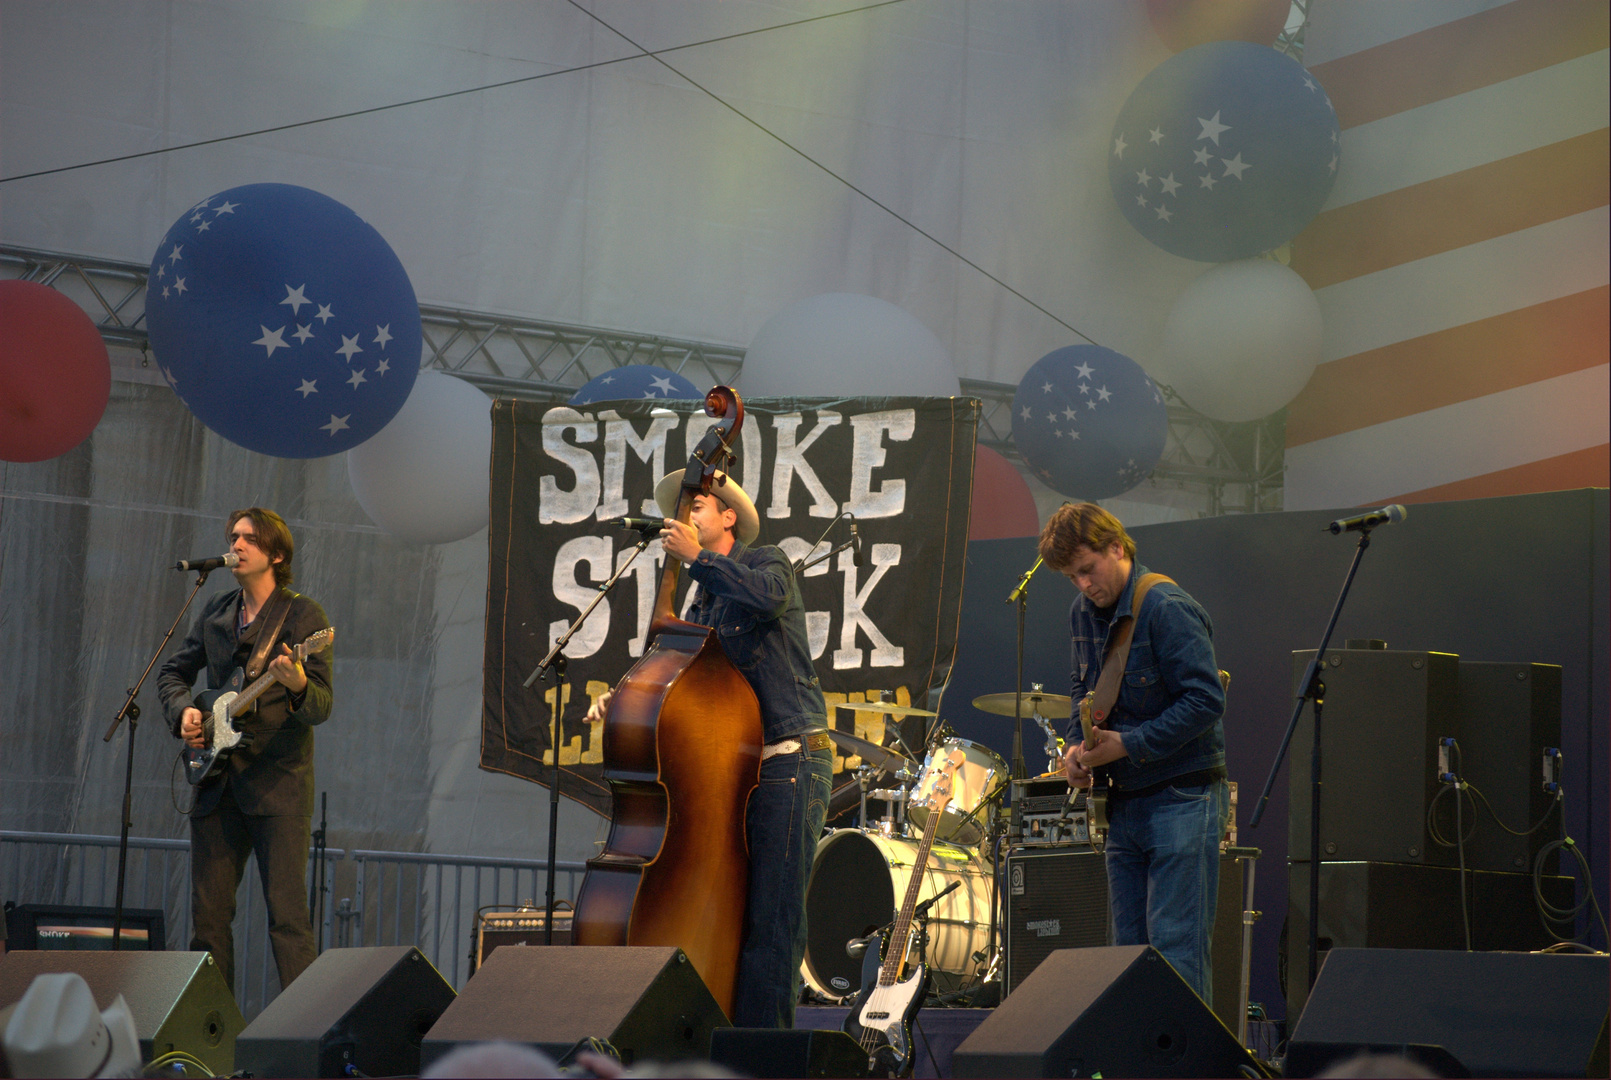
981,771
858,881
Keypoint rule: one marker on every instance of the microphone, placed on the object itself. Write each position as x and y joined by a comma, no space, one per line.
856,947
1367,521
203,565
643,525
855,546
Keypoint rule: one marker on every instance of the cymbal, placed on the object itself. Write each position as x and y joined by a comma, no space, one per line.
889,708
1051,706
881,756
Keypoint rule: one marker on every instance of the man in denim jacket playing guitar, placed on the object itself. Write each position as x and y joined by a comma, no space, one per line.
1161,746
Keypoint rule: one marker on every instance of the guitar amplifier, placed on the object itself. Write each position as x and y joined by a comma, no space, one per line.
1046,812
1057,898
524,926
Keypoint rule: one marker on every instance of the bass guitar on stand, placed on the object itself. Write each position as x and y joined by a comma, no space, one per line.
881,1017
222,704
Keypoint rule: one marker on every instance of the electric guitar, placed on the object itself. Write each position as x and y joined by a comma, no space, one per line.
222,704
881,1018
1096,796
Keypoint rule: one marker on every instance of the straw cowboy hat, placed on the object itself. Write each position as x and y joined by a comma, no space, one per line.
726,491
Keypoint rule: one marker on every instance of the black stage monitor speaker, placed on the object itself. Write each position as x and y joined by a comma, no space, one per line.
178,999
1119,1010
766,1052
365,1009
1057,898
1496,1014
1402,906
1373,806
648,1001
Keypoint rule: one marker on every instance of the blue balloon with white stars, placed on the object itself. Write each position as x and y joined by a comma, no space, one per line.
636,382
1089,421
284,321
1224,151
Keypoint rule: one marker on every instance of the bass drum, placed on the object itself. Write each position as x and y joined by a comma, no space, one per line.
858,881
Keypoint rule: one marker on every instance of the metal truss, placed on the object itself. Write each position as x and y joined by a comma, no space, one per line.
1235,467
1290,39
1232,467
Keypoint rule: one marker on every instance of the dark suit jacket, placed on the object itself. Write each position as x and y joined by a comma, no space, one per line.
274,775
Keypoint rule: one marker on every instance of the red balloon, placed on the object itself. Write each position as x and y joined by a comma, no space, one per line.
1002,504
1184,23
55,375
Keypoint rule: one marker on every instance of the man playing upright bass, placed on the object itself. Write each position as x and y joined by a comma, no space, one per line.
749,596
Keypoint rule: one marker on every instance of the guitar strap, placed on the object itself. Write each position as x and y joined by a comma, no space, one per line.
1118,654
281,603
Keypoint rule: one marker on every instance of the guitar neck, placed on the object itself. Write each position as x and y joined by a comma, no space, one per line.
889,974
244,699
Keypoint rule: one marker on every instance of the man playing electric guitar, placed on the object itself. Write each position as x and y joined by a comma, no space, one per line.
1157,735
262,800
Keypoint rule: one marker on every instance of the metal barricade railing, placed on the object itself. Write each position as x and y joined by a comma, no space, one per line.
432,901
372,897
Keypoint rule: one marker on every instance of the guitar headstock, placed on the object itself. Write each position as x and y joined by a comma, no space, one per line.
939,794
314,642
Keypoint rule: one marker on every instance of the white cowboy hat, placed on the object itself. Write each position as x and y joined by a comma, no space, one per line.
726,490
55,1030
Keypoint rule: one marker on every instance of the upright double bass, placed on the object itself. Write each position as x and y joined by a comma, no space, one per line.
682,753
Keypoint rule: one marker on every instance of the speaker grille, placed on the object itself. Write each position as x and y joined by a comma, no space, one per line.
1056,899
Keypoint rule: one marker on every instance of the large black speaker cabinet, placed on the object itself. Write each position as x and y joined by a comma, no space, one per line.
1508,714
1373,805
1118,1010
1057,898
648,1001
178,1000
766,1052
1401,906
365,1009
1496,1014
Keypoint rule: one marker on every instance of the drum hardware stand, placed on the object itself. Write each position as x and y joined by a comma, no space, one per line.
1020,596
1054,741
1313,690
131,711
1250,856
555,661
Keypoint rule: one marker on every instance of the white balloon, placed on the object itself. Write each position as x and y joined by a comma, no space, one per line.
423,477
846,344
1242,340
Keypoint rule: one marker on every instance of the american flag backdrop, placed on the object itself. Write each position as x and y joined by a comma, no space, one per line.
1461,260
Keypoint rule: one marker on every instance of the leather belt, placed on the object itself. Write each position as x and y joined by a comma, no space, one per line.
816,740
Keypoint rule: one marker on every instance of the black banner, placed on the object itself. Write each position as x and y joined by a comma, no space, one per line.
902,466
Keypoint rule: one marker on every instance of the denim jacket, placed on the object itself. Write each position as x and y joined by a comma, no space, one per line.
750,598
1171,701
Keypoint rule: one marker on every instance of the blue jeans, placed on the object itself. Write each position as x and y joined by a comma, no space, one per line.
1163,875
783,824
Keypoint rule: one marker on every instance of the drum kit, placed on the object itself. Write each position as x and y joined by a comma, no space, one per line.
860,872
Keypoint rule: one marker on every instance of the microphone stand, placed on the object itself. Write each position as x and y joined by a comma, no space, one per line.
807,563
1313,690
316,887
131,712
1020,596
555,662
